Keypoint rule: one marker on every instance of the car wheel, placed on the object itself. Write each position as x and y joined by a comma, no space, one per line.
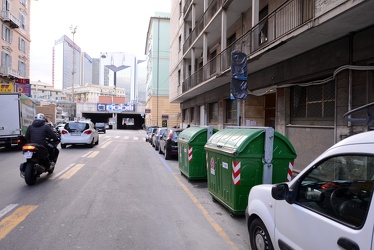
97,142
63,145
159,150
156,148
92,143
167,155
259,237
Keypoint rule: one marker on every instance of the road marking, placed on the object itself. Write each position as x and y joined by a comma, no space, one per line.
105,144
11,221
72,171
63,171
126,137
214,224
86,154
7,209
136,138
117,136
93,154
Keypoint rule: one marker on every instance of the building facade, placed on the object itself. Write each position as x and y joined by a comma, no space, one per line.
160,112
309,62
15,43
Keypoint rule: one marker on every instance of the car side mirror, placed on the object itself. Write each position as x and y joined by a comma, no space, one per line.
280,191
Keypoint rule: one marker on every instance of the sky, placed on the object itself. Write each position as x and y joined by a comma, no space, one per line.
102,26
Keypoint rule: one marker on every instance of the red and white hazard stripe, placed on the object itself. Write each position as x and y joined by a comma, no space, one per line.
189,154
236,172
289,172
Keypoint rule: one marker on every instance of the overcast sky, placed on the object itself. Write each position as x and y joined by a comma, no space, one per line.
102,26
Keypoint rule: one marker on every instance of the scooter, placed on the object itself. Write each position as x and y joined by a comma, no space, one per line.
37,162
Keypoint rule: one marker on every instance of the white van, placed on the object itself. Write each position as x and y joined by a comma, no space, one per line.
327,206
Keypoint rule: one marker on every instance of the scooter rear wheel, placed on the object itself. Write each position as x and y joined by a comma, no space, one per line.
30,174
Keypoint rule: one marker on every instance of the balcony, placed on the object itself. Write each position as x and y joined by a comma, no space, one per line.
9,18
293,28
9,72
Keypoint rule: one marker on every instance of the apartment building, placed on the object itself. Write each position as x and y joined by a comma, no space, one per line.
309,62
15,43
159,111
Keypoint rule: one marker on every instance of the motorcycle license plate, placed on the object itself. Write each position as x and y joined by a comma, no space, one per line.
27,154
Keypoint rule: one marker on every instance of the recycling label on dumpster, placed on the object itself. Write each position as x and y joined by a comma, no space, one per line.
212,168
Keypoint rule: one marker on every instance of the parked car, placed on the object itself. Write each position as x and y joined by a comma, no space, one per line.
150,139
81,132
169,143
149,133
156,138
100,127
326,206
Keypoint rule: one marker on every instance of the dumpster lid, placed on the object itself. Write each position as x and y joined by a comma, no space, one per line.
232,140
191,133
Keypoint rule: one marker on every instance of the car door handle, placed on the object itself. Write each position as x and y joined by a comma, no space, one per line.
348,244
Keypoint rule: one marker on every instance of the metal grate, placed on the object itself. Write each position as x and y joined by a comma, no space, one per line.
316,101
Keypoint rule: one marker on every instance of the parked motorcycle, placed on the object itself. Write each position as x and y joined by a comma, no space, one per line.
37,161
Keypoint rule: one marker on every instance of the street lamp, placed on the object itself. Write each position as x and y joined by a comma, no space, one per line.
73,31
115,69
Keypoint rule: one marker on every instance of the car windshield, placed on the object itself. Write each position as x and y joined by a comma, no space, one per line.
76,126
340,187
100,124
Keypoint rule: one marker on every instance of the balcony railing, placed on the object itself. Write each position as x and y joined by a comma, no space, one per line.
7,71
277,24
212,9
6,16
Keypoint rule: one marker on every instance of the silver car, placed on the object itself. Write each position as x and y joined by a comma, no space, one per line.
81,132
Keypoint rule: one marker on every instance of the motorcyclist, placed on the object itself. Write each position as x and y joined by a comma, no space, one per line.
38,132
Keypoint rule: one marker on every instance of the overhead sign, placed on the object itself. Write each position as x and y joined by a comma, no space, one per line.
111,107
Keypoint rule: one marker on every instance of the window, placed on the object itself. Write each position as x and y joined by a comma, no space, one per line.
22,45
213,112
22,68
6,5
22,21
231,111
7,34
192,114
179,77
313,103
339,188
263,25
213,62
180,9
180,42
6,60
23,2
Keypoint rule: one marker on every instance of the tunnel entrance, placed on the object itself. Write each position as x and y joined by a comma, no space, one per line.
132,120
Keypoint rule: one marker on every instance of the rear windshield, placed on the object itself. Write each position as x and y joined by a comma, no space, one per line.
100,124
76,126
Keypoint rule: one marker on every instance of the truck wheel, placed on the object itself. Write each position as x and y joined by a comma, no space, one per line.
30,174
259,236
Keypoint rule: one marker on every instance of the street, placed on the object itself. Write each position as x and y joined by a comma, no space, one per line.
121,194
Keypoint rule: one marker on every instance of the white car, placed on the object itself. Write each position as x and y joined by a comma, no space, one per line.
81,132
326,206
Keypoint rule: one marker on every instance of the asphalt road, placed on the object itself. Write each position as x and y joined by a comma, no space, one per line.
121,194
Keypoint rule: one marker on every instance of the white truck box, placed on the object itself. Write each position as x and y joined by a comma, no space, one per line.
17,112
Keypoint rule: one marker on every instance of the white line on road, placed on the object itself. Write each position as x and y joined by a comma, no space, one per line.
6,210
63,171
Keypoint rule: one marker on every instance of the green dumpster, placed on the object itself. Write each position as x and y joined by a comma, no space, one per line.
191,157
239,158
